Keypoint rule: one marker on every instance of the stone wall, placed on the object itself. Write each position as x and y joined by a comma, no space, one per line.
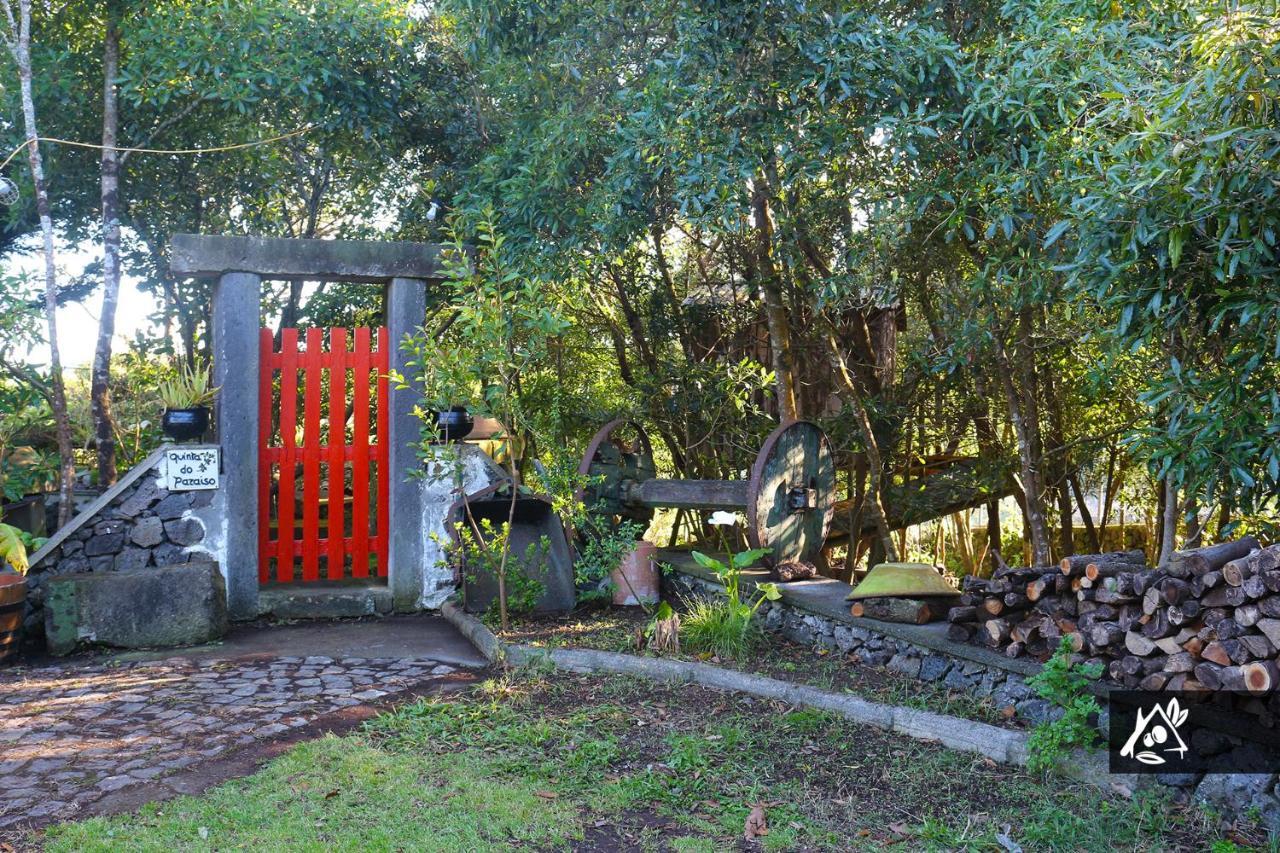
460,468
1003,688
142,526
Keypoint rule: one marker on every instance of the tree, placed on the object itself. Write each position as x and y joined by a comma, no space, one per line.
1174,215
499,330
18,40
99,391
713,156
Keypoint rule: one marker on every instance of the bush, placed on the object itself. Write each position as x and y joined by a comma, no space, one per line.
719,628
1064,683
724,627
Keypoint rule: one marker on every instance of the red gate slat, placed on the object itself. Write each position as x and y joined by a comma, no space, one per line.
289,457
337,444
314,363
383,364
265,373
360,458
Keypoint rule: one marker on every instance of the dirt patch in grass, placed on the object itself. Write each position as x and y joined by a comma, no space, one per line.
649,763
615,629
553,761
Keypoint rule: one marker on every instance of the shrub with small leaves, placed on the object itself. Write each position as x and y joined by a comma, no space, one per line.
1064,683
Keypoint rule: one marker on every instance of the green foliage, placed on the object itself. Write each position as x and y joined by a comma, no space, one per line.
190,387
13,549
1076,189
1063,683
485,551
25,421
601,549
500,325
725,627
715,627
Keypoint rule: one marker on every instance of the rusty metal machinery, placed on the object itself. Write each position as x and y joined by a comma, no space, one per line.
789,501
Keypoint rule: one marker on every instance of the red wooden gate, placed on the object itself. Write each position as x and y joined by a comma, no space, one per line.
315,484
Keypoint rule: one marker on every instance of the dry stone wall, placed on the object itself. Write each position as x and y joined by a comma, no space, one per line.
1002,687
142,526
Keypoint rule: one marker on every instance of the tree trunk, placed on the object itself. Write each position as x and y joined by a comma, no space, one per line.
874,503
1095,541
1033,495
1058,462
100,383
993,534
19,44
1108,494
775,310
1169,522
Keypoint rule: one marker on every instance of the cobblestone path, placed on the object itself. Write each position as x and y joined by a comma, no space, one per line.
71,735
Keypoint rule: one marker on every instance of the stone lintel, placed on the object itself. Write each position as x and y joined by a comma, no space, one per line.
204,255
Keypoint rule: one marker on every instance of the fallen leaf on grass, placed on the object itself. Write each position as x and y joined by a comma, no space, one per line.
756,824
331,795
1005,841
546,795
1122,789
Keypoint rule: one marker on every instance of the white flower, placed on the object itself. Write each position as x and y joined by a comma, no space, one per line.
722,517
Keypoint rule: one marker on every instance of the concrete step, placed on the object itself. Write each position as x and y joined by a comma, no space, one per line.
324,600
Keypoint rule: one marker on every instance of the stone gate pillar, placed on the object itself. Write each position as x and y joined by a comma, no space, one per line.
406,311
235,323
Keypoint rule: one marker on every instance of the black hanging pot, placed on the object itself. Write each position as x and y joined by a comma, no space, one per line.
185,424
453,424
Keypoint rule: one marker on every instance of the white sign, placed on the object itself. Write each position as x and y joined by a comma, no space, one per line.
188,468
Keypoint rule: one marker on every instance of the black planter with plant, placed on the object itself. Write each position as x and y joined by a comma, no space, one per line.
186,398
185,424
453,424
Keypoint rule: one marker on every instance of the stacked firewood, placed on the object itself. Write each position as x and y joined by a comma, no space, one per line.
1209,620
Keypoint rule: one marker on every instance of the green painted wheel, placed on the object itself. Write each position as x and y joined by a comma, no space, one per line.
792,495
618,457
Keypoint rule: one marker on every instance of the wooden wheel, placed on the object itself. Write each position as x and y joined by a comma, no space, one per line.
791,497
618,457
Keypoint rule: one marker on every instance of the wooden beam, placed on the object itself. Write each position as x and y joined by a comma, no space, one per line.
690,494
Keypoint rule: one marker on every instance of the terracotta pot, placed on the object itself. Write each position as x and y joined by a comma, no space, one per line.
636,579
13,608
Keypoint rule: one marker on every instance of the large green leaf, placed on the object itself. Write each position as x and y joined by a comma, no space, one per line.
12,549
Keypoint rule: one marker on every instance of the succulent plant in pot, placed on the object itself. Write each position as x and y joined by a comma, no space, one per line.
186,396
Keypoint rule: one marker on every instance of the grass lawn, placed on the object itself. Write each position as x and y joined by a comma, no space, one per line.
552,762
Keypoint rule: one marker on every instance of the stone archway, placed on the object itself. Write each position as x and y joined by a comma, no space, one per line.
239,265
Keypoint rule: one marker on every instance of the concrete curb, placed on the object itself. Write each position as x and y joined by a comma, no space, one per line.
1003,745
485,641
